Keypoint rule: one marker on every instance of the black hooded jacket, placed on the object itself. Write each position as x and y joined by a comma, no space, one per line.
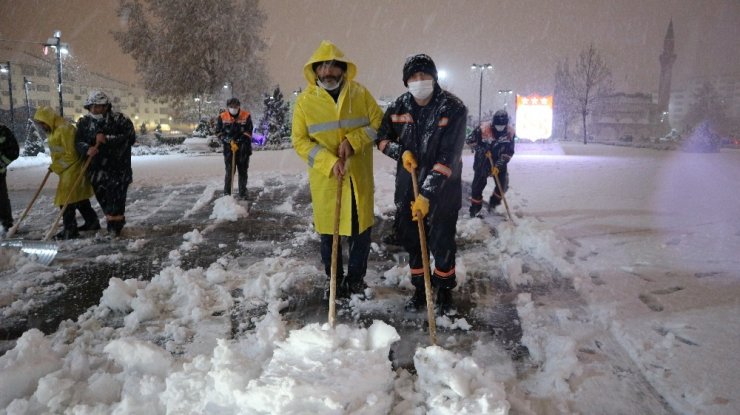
115,155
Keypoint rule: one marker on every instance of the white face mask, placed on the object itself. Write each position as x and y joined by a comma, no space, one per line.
421,89
233,111
97,116
500,128
331,84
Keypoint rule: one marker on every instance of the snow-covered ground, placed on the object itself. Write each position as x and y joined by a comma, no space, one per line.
642,246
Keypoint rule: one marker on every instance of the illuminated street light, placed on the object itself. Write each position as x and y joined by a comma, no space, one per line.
506,98
56,42
6,69
482,69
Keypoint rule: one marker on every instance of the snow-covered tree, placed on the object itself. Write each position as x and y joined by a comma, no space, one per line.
186,48
565,108
707,106
592,82
275,121
34,143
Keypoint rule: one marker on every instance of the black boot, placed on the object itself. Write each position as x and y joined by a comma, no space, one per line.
417,301
474,209
67,234
444,301
493,202
356,286
87,226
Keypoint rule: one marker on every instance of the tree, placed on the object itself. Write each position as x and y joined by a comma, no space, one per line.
565,107
275,123
187,48
707,106
35,139
592,82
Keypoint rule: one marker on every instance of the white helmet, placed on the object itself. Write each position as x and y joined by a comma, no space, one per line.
96,98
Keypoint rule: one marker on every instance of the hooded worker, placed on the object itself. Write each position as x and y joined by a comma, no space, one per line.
74,188
334,126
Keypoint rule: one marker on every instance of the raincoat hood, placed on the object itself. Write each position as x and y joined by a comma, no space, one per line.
327,51
48,116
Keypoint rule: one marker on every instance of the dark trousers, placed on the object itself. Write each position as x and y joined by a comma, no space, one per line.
242,167
359,249
480,179
6,213
69,217
440,231
110,190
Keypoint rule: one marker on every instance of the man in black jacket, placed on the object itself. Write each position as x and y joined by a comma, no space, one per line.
494,147
8,152
424,130
234,128
107,136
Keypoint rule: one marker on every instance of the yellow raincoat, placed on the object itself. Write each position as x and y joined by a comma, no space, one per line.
64,159
319,125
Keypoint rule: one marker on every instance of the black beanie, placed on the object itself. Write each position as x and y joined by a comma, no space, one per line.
418,63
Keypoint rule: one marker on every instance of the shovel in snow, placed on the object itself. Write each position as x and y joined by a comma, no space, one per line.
425,264
42,252
13,229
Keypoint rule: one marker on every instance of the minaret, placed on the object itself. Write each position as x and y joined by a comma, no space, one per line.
667,58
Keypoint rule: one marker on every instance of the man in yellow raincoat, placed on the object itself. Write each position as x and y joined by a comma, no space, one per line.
68,165
334,126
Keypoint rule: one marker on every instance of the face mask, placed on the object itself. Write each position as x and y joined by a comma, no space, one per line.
97,116
500,128
233,111
421,89
330,84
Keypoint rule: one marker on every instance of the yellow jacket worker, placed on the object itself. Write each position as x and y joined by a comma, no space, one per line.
334,125
66,163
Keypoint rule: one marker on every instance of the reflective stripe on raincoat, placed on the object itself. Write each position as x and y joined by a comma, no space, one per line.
64,159
319,125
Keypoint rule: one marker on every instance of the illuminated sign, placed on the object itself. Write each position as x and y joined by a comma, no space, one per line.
534,117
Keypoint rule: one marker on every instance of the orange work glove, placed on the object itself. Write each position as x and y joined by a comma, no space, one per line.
494,171
234,146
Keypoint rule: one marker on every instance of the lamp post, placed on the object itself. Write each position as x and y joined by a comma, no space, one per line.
197,99
228,85
506,92
480,68
26,82
5,69
56,42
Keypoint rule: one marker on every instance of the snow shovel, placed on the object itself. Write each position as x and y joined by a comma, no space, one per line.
41,252
501,189
335,255
425,264
14,228
66,202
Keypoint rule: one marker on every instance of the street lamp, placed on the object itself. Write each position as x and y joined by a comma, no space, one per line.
56,42
197,99
26,82
480,68
6,69
506,92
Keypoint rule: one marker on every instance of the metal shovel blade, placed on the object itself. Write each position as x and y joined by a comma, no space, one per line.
42,252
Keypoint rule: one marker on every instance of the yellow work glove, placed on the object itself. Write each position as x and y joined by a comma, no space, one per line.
409,162
420,205
488,154
494,171
234,146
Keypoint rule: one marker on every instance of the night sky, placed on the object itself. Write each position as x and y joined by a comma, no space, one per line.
523,39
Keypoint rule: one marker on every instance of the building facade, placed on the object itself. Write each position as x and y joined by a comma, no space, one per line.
34,82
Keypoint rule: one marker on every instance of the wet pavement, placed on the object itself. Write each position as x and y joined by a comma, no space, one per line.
162,218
